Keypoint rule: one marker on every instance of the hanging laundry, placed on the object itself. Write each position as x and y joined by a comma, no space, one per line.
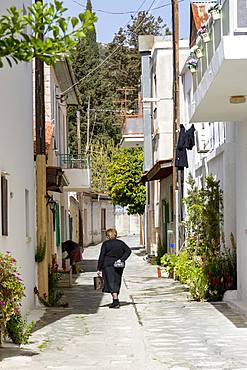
190,138
181,153
186,141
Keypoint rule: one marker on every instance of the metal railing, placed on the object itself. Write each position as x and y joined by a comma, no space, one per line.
69,161
133,126
233,22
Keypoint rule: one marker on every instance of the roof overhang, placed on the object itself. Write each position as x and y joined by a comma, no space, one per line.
161,170
66,79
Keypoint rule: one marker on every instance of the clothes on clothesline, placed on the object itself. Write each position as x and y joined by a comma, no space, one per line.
186,141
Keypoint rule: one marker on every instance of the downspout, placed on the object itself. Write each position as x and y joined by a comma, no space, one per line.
92,221
145,46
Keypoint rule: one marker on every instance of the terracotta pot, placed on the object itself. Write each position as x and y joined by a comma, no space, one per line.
171,274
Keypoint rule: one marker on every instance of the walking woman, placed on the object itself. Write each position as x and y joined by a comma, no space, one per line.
112,250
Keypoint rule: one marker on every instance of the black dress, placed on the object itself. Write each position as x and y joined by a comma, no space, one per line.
111,251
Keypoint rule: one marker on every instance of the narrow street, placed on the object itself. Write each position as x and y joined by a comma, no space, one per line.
157,327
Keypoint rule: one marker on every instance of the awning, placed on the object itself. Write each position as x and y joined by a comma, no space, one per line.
55,179
160,170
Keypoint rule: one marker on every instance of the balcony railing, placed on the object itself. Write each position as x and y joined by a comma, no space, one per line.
133,125
69,161
233,22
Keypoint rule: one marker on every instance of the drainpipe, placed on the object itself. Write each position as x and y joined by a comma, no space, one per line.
92,220
145,46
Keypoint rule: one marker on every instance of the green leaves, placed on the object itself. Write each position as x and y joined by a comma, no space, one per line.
123,177
11,288
49,36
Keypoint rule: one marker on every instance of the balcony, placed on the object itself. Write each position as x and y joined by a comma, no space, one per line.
220,80
77,171
132,133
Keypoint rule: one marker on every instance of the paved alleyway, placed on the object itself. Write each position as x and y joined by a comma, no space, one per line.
156,328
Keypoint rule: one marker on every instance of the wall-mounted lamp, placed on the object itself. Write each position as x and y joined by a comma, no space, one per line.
4,173
238,99
51,202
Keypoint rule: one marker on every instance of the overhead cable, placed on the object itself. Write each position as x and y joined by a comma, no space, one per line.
110,55
121,13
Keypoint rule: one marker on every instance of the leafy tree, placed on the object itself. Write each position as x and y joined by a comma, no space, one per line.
101,156
103,123
123,177
204,215
60,33
123,69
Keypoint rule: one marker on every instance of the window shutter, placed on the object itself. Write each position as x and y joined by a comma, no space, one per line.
4,205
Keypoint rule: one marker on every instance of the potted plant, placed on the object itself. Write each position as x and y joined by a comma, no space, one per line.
203,33
192,64
197,52
215,11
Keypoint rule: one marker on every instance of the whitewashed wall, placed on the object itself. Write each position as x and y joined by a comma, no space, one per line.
241,205
16,158
91,214
127,224
218,141
162,88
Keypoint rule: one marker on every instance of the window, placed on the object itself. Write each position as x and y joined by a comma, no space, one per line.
103,219
27,213
4,205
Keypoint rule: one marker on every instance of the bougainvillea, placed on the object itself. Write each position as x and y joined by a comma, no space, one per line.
11,288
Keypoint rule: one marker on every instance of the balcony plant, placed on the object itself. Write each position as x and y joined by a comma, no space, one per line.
215,11
192,63
196,51
204,34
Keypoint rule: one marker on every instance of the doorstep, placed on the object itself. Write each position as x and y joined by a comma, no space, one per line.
230,298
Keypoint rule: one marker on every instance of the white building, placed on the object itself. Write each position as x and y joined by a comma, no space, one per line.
216,103
157,92
17,198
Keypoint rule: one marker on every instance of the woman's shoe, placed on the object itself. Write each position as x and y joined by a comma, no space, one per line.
115,304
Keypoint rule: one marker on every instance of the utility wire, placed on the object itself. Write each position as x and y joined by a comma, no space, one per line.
120,13
110,55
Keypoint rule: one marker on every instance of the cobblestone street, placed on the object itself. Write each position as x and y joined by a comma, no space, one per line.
157,327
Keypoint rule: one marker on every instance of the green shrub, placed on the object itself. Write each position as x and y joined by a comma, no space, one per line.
198,283
182,267
54,293
205,264
18,329
11,288
169,261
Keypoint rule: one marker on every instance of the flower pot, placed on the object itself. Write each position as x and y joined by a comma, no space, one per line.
192,69
216,14
171,274
198,53
205,37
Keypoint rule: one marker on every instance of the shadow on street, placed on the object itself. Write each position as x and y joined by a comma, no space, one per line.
236,319
81,299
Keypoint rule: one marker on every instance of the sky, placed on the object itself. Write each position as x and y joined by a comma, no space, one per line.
107,25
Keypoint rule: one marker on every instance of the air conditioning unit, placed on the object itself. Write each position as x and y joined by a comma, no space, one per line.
201,141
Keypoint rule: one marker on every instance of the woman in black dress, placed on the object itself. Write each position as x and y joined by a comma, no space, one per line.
112,250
